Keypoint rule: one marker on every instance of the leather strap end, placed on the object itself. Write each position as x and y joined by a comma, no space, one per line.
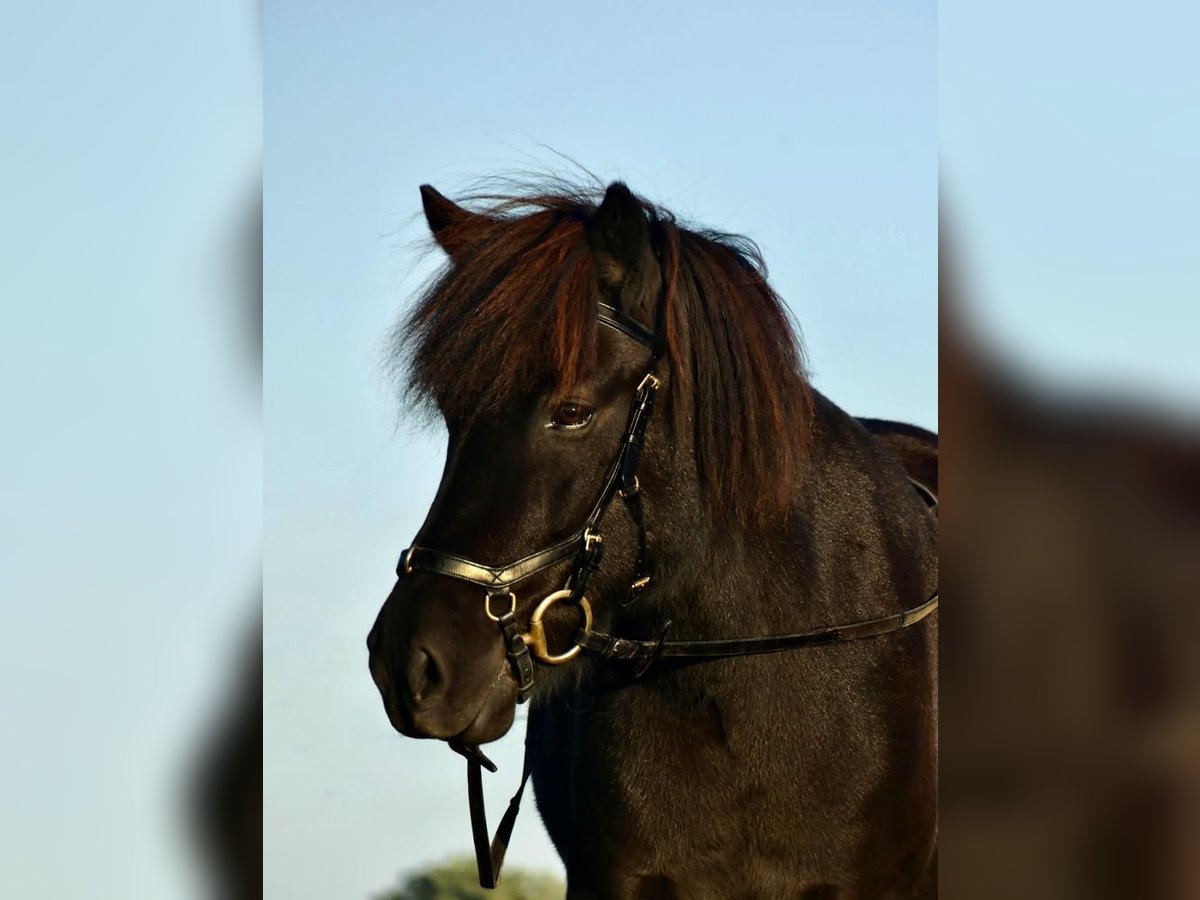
642,667
473,754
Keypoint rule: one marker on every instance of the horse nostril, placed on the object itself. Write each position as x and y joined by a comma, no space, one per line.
424,675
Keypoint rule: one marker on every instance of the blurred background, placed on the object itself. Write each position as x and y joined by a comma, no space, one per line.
130,436
1070,388
138,532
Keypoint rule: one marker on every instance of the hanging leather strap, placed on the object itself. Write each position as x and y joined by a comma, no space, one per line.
489,854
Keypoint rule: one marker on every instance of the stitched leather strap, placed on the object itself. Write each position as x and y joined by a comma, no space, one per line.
487,576
614,318
612,647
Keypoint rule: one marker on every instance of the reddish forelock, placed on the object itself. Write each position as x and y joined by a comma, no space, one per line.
514,314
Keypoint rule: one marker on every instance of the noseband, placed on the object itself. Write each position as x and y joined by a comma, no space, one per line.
587,547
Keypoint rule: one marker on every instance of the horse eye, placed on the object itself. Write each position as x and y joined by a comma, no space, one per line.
571,414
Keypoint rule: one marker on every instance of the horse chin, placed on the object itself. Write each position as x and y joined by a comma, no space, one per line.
495,717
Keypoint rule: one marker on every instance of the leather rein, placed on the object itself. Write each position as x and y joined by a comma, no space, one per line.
586,547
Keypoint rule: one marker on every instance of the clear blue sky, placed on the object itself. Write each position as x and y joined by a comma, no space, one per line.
810,127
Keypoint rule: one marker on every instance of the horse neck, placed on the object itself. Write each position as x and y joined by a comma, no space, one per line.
715,578
839,556
855,543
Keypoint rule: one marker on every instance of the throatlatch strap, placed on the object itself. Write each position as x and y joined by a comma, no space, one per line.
587,563
489,856
641,568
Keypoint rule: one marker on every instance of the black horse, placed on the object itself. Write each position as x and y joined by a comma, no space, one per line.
757,508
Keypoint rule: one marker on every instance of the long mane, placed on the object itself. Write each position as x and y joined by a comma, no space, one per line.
514,314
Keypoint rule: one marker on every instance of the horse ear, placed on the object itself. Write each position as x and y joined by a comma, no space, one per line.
448,221
619,235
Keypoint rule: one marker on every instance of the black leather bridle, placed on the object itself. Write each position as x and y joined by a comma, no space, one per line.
586,546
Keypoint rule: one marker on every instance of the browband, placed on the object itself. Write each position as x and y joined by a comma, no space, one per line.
627,325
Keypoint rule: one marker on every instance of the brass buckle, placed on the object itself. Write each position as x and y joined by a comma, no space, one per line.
590,538
536,638
652,380
487,604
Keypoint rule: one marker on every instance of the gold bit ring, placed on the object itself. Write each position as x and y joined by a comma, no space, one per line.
536,638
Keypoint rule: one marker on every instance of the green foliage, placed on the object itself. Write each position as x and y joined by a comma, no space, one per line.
456,879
